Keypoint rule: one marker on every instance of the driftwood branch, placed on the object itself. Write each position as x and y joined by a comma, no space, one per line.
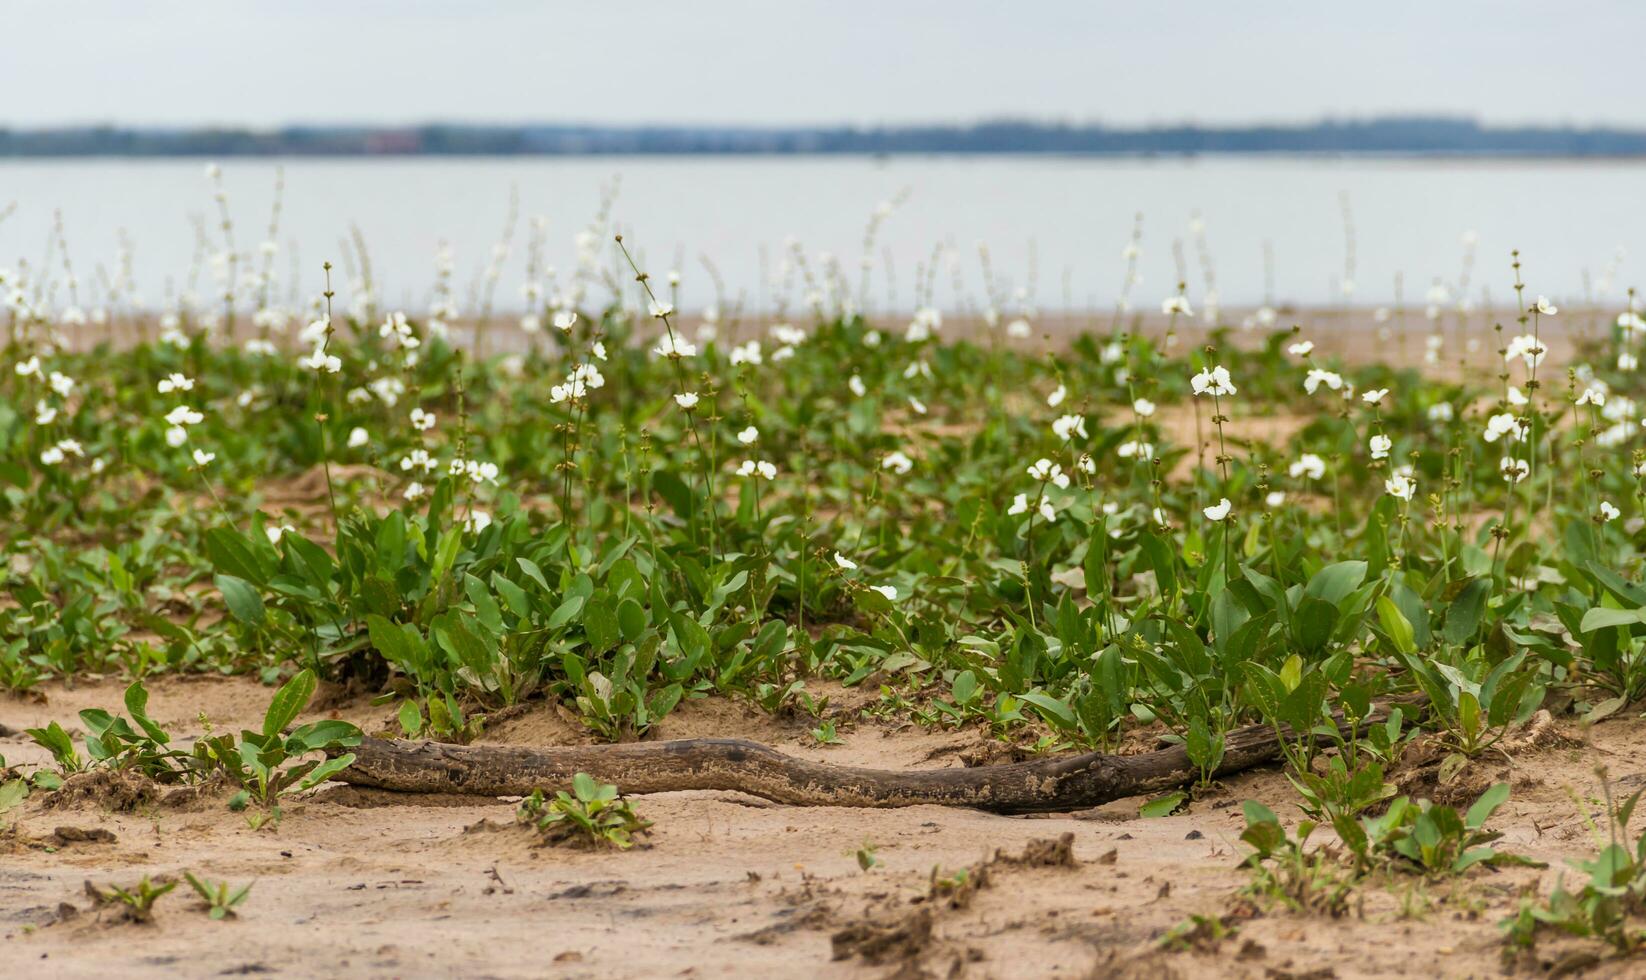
1041,785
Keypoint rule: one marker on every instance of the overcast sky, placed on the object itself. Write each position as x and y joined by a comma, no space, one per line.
816,61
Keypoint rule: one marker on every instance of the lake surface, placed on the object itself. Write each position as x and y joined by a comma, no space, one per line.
1054,227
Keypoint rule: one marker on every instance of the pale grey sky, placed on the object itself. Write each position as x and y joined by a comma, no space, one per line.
824,61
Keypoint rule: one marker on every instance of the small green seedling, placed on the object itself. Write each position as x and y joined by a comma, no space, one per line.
866,856
219,897
136,902
593,814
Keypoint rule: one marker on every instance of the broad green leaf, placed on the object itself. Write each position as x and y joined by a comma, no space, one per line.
242,599
289,702
1163,806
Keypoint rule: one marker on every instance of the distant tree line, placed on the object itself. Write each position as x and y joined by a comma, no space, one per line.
1401,135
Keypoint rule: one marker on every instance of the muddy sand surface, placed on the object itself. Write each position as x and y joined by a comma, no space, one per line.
360,884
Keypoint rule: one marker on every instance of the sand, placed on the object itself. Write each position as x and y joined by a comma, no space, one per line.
355,884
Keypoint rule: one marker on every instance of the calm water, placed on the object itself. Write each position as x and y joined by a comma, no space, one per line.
1053,226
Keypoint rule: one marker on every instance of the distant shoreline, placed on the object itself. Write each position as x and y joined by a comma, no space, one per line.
1418,137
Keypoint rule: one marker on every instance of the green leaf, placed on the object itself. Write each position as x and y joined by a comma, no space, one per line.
242,598
1163,806
600,626
1396,626
1054,710
289,702
1464,613
1335,582
1482,809
232,553
137,705
411,718
326,770
1601,617
1314,622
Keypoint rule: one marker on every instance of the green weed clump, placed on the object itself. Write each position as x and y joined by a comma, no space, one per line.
592,814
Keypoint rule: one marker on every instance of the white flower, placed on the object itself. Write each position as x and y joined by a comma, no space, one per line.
184,415
29,367
1066,427
1608,512
844,562
1440,412
761,469
44,412
201,457
598,350
917,405
1301,348
1308,465
1400,486
275,532
886,590
51,456
1018,328
1143,407
1380,445
1504,424
1175,305
475,470
897,462
414,491
1316,377
686,400
422,421
1594,395
322,361
1513,470
1213,381
1020,504
1374,396
748,436
668,346
926,319
1274,499
1630,322
1217,511
565,320
175,382
790,335
660,310
61,383
358,437
1545,307
418,459
1131,447
856,386
1516,396
176,436
1527,348
1047,471
1056,397
748,353
477,521
1627,361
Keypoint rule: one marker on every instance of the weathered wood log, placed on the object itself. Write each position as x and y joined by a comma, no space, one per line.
1041,785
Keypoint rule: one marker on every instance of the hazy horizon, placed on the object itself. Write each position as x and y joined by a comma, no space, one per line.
744,63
